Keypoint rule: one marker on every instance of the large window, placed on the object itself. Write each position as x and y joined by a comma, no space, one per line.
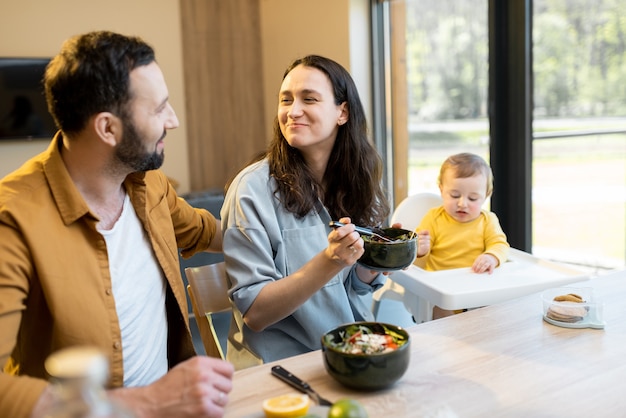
447,81
579,130
436,55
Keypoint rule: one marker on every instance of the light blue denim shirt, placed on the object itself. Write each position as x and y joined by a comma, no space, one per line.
262,243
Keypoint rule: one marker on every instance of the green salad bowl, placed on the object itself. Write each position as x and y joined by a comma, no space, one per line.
389,256
366,370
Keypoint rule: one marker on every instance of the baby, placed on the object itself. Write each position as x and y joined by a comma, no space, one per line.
460,233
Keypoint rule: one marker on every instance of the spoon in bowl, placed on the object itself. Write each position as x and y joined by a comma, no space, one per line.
361,230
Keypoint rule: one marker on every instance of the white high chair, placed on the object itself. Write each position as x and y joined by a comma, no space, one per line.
409,213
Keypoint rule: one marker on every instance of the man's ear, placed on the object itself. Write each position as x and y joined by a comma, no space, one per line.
108,127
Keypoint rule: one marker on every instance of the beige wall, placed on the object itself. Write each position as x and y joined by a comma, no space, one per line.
289,29
337,29
37,28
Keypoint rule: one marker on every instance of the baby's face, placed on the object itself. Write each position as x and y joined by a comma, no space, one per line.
463,197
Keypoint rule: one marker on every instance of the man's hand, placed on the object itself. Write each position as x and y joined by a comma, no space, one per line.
198,387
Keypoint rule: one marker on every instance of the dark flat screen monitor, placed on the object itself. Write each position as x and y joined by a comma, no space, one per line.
23,110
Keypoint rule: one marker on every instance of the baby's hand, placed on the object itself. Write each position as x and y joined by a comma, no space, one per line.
485,263
423,243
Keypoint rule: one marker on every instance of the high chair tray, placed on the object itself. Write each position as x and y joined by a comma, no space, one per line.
522,275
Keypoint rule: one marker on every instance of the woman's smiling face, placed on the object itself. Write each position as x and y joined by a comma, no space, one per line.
307,113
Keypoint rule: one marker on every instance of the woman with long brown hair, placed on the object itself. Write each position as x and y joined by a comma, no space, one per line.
293,277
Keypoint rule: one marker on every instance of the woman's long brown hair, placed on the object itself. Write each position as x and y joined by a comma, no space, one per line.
353,177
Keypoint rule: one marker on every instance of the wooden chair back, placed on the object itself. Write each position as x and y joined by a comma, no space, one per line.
208,292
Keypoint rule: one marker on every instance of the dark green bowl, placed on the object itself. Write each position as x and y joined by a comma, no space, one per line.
389,256
366,371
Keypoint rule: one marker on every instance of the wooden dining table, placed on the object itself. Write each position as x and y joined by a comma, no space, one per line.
502,360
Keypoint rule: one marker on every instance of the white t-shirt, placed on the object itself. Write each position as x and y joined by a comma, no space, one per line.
139,290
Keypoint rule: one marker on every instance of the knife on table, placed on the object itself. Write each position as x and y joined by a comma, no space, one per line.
301,385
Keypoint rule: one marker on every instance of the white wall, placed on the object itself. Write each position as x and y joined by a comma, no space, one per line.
36,28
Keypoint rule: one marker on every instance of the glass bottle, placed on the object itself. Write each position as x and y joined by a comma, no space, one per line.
78,376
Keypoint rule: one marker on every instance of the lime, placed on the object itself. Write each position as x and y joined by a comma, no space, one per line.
347,408
286,406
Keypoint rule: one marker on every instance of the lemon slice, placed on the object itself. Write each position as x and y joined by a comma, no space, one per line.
286,406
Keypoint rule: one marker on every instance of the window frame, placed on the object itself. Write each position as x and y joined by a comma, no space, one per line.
510,110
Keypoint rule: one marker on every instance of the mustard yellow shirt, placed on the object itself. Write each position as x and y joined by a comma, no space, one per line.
55,286
455,245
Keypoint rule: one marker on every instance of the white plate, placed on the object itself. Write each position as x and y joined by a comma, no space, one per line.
316,410
321,411
582,324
